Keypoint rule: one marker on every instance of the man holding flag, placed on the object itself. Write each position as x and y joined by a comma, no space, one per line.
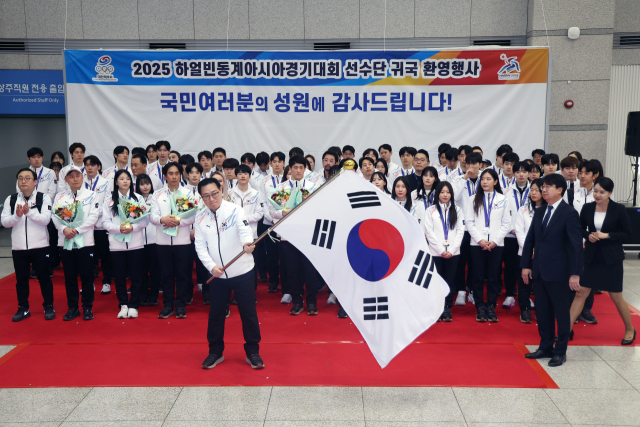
374,255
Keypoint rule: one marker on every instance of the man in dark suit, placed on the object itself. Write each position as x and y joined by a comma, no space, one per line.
552,255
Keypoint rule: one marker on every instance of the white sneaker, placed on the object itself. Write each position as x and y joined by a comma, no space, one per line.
124,312
460,300
286,299
133,313
106,288
509,302
531,302
200,287
332,299
470,298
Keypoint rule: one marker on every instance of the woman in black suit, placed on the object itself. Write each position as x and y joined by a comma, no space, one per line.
605,225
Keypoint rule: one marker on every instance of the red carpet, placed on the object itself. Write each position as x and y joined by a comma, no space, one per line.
298,351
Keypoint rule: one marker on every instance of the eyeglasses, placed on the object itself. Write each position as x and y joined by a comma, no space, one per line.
25,179
420,160
548,187
208,196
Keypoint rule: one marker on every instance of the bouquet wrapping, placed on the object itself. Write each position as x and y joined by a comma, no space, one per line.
281,198
72,216
181,207
130,212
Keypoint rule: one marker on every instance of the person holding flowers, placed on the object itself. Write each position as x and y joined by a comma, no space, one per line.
124,216
173,211
75,214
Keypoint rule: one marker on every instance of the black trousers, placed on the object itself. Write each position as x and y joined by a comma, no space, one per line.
220,291
486,263
552,305
285,277
524,291
78,262
260,253
151,281
462,280
273,258
102,249
174,264
22,261
511,265
447,269
54,250
134,263
300,272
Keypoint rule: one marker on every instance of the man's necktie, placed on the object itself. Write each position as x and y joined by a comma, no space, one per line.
545,220
570,194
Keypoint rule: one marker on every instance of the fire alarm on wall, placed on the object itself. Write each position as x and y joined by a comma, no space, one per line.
568,103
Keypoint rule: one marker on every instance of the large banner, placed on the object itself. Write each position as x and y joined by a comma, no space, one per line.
272,101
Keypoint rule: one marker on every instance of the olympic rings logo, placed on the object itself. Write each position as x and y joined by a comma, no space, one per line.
104,69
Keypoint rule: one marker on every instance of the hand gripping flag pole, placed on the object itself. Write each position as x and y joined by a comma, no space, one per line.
348,165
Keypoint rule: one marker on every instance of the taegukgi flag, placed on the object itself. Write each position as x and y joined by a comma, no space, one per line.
373,255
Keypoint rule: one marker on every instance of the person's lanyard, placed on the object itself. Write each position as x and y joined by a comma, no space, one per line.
94,184
160,173
487,215
475,188
291,183
403,174
506,183
424,200
39,175
516,193
445,226
460,172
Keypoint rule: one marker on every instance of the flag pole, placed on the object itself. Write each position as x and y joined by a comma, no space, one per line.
348,165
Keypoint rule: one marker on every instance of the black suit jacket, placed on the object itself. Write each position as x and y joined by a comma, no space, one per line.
415,181
616,224
558,251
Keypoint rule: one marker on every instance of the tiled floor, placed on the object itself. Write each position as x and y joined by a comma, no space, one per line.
599,386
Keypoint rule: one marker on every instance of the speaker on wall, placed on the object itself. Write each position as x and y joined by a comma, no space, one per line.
632,142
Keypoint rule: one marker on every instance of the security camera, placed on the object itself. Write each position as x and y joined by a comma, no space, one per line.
573,33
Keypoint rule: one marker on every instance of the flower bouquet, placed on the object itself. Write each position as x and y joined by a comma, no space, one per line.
282,198
182,207
72,216
130,213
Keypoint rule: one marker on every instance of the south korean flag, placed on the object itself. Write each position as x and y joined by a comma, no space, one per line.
374,256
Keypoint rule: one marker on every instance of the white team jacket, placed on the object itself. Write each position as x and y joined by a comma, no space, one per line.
523,222
46,183
435,232
220,236
91,208
110,174
500,220
112,223
100,186
161,206
30,230
149,234
252,204
516,201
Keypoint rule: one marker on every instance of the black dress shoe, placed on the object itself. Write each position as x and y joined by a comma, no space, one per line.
557,361
273,289
71,314
525,316
539,354
87,314
629,342
21,314
49,313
